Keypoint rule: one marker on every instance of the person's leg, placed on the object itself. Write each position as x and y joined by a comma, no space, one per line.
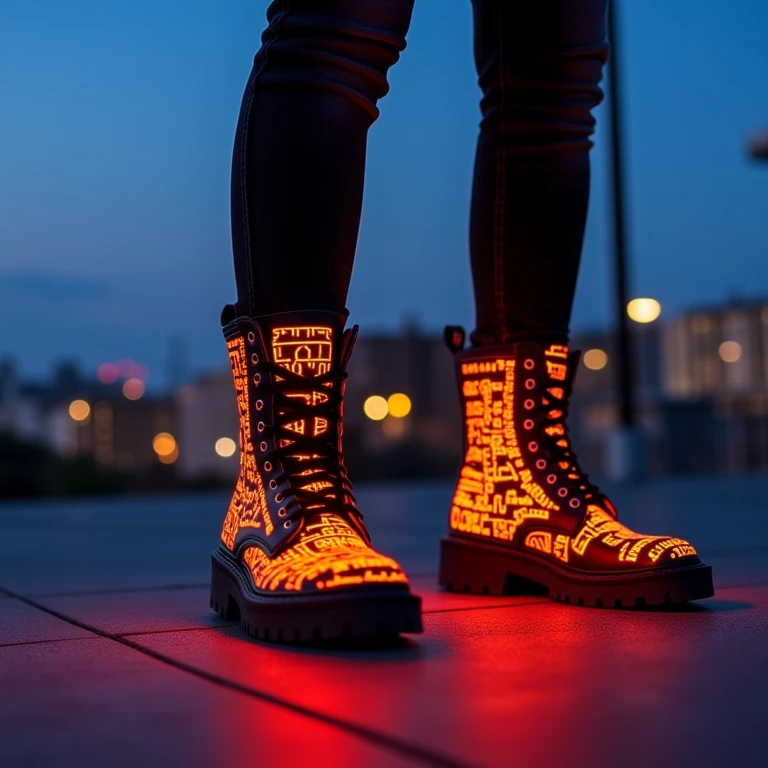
295,562
539,65
523,510
299,155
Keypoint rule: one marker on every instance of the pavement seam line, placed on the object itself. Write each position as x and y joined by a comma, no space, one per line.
411,751
43,642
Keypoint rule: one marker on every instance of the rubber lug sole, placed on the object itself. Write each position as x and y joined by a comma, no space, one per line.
359,614
487,569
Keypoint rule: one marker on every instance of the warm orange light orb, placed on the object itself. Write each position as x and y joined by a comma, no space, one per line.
225,447
399,405
730,351
133,389
376,408
164,444
79,410
643,310
595,359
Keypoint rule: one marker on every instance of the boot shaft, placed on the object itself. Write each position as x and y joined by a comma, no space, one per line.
289,377
514,474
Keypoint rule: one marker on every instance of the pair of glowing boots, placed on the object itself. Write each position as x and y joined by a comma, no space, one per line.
295,563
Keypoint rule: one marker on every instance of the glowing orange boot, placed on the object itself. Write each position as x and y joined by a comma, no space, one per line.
523,510
295,562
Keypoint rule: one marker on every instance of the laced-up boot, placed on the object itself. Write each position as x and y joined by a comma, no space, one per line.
524,512
295,562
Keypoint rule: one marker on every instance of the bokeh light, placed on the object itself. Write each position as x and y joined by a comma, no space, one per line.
399,405
730,351
376,408
394,428
595,359
164,444
79,410
643,310
225,447
107,373
170,458
133,389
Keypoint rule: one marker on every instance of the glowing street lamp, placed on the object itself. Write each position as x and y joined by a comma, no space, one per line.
595,359
225,447
376,408
398,405
164,445
133,389
730,351
79,410
643,310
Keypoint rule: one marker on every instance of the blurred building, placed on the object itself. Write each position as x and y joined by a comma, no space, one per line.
115,423
702,401
208,427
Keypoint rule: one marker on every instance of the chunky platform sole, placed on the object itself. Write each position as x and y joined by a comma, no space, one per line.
479,568
301,618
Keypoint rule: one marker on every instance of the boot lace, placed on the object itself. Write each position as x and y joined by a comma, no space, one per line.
312,463
555,405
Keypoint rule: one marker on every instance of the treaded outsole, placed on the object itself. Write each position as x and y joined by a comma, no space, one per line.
477,568
377,614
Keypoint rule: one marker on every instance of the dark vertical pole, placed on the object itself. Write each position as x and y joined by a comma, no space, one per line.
624,346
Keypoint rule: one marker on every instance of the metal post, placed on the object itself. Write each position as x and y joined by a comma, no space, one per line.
624,346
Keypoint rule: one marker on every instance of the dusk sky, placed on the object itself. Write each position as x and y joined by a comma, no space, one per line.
117,122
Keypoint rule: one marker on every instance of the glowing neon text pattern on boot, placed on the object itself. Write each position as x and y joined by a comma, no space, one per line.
496,492
328,552
248,508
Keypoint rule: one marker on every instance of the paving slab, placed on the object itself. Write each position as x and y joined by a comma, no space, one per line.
164,610
536,685
506,681
97,703
145,611
20,623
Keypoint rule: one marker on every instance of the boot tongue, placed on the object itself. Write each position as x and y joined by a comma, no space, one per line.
308,344
557,379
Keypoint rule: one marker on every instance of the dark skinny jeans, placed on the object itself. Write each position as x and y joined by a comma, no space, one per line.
299,157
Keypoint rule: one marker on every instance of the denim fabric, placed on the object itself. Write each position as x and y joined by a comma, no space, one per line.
299,157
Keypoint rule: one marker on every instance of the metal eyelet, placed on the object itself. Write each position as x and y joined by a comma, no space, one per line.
530,383
273,484
257,379
575,503
562,492
533,446
259,405
287,524
251,336
281,511
528,404
263,446
260,426
254,358
541,464
528,424
267,466
552,479
528,364
278,497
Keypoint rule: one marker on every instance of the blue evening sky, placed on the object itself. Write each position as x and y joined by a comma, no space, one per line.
117,120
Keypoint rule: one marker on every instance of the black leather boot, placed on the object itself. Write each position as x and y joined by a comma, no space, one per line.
523,510
295,562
